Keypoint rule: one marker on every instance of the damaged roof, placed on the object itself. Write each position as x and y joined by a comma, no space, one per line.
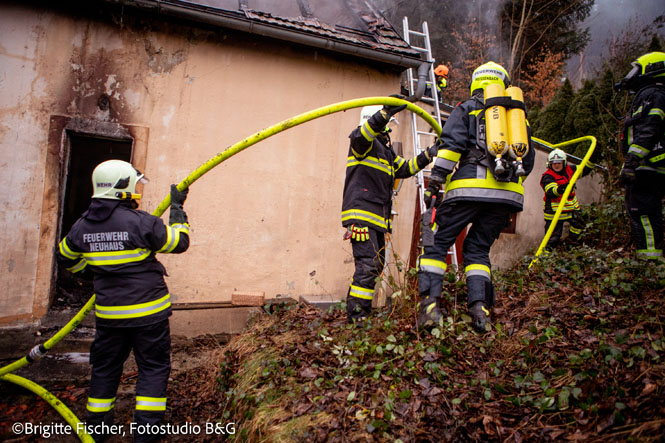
352,27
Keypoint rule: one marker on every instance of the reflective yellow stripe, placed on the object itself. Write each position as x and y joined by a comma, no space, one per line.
358,292
133,311
650,253
413,166
372,162
357,154
66,251
478,269
575,230
116,257
79,266
173,236
447,154
658,112
359,214
367,132
485,183
432,265
638,150
649,237
150,403
657,158
570,205
100,404
400,161
563,216
550,186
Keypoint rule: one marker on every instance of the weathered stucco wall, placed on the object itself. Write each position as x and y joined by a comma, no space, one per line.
265,220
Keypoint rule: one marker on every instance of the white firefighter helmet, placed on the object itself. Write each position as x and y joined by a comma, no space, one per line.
368,111
116,180
556,156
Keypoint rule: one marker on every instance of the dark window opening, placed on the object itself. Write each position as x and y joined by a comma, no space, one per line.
511,227
85,153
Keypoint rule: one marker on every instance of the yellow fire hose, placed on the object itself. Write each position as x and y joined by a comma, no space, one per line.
38,351
569,188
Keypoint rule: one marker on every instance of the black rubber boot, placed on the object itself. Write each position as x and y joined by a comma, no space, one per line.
357,309
429,285
480,298
480,316
430,314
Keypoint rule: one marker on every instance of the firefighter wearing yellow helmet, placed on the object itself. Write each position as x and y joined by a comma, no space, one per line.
554,182
371,169
118,244
472,195
643,145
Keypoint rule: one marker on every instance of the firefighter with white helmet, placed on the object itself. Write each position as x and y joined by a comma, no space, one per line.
472,195
117,243
554,182
643,145
371,169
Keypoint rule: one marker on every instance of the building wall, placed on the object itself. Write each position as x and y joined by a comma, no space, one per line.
268,219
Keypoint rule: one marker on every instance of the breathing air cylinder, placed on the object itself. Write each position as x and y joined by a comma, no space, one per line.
518,142
496,127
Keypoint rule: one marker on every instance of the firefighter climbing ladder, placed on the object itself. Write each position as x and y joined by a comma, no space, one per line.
416,134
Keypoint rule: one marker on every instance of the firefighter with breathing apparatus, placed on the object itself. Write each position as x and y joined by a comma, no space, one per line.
117,243
475,193
643,147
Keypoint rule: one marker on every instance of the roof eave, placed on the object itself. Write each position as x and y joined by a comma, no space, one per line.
238,22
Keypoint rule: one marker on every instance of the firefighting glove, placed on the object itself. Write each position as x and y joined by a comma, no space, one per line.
389,111
561,189
178,214
432,190
433,150
359,233
627,175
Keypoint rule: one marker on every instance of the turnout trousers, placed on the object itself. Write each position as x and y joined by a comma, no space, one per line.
644,204
369,257
152,350
487,220
577,225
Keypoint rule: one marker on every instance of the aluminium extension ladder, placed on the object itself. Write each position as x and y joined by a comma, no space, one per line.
417,134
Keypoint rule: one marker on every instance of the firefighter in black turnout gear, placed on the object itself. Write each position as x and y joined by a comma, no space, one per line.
472,195
371,169
554,182
118,243
643,146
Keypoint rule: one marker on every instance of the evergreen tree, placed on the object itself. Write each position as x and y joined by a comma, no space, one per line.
551,124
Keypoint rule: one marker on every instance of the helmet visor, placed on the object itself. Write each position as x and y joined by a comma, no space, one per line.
141,178
634,72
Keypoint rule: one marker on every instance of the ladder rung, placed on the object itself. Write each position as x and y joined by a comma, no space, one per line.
417,48
417,33
426,133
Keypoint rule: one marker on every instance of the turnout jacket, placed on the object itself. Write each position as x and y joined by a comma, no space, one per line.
643,134
118,245
371,169
473,180
550,182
